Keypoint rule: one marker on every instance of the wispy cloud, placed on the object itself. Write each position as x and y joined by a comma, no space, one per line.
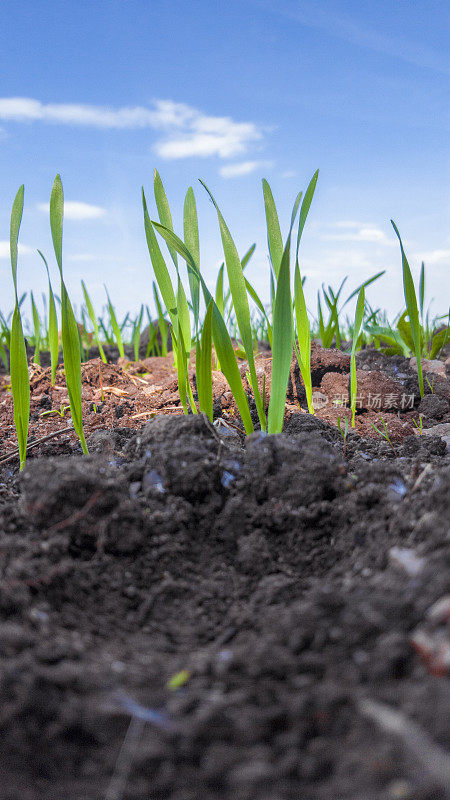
24,250
435,257
241,168
345,26
357,232
186,131
76,211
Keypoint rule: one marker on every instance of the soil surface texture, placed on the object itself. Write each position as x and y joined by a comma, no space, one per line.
191,614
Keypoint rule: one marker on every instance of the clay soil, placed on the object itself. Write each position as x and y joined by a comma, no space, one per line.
188,613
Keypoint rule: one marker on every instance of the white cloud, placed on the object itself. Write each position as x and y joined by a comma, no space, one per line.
435,257
358,232
187,131
243,168
76,211
24,250
289,173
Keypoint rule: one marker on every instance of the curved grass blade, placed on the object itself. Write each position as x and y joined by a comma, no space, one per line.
37,331
162,324
191,237
413,311
283,340
20,379
221,337
159,267
163,207
53,341
69,328
274,238
304,336
203,365
359,316
240,302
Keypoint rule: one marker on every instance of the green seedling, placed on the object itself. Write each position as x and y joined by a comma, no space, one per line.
359,316
344,433
412,309
384,434
430,384
69,328
53,341
37,331
20,379
419,424
60,412
303,327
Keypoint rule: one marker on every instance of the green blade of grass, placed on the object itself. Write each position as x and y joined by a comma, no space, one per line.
203,365
159,267
253,294
191,238
304,336
69,328
53,342
162,324
274,237
413,311
240,302
20,379
283,339
422,289
37,331
162,204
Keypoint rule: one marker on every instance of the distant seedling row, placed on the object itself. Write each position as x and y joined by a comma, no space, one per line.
197,320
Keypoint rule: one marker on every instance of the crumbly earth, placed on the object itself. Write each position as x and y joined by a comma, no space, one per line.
190,613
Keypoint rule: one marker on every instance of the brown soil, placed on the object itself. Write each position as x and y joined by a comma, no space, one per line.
295,585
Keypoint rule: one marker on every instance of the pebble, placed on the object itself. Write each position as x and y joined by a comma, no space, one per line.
406,560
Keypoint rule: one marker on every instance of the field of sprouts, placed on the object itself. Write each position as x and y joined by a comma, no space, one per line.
223,530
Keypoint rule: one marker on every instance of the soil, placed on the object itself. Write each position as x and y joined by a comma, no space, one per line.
191,613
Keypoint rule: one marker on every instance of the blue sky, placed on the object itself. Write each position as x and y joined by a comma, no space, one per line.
104,91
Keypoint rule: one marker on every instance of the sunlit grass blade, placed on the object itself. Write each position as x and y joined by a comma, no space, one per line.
115,326
162,324
422,289
191,238
359,316
274,237
283,340
20,379
221,338
304,337
256,299
162,204
69,328
53,341
159,267
241,307
303,326
37,331
93,318
365,285
203,365
413,311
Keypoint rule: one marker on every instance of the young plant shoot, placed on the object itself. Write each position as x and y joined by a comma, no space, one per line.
69,328
20,380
